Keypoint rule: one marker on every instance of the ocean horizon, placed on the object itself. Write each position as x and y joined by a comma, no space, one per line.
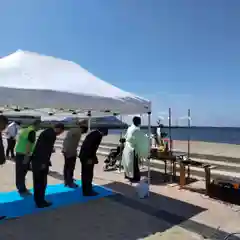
230,135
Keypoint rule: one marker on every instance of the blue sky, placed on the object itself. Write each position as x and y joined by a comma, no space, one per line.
178,53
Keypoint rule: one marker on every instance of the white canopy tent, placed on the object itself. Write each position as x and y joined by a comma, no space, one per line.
33,81
51,114
30,81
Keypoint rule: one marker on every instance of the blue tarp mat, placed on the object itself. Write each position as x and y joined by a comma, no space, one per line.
13,205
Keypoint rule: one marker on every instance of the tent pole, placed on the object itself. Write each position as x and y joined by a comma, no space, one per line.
189,128
121,133
149,150
170,128
89,121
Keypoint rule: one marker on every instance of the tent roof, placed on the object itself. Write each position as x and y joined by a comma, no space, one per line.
50,114
36,81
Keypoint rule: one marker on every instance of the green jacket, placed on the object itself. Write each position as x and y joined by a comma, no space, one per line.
23,140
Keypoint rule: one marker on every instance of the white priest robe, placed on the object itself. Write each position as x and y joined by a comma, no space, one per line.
136,143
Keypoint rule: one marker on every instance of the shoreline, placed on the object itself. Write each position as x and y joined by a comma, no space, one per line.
195,141
209,150
200,149
179,135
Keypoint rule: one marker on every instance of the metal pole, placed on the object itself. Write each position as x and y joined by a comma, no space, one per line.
170,128
149,150
89,121
189,133
121,133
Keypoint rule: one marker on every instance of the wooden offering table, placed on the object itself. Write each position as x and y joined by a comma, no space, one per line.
168,157
188,163
175,158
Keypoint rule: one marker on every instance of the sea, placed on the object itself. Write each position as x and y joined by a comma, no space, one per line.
230,135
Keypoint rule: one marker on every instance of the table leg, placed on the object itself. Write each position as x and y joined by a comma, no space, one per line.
174,170
165,167
165,170
171,172
188,172
182,175
207,179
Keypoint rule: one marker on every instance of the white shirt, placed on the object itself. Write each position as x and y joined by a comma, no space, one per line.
12,130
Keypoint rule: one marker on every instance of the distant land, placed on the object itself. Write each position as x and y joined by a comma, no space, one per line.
230,135
111,122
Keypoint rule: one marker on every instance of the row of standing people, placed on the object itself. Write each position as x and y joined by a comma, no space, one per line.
37,151
3,125
39,154
136,147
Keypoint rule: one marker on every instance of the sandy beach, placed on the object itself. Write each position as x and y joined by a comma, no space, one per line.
217,149
196,147
169,213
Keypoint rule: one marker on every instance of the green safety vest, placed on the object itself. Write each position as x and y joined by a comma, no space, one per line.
23,141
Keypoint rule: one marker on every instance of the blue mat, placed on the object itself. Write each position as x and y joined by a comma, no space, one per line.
13,205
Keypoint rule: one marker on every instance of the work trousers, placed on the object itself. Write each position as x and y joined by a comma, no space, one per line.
87,177
21,170
10,147
40,184
69,167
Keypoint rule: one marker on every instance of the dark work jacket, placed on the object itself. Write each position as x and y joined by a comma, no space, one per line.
2,153
43,149
90,146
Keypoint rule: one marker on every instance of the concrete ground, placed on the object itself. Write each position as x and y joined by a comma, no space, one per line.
169,213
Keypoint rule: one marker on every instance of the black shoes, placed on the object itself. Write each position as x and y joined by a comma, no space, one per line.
24,192
71,185
44,204
90,194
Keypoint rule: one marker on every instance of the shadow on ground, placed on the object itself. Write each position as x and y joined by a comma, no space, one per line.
159,178
122,216
118,217
167,209
56,175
